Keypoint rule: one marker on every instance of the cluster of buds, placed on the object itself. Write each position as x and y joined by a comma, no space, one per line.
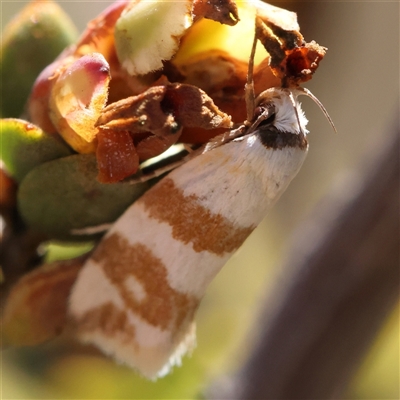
142,77
128,89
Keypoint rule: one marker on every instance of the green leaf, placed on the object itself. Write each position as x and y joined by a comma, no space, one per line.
62,196
31,41
24,146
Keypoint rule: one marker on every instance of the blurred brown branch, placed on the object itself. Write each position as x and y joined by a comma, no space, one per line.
343,281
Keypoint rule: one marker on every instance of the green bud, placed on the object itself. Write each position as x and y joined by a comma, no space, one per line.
63,196
23,146
32,40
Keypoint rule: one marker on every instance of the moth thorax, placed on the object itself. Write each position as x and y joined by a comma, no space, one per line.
290,117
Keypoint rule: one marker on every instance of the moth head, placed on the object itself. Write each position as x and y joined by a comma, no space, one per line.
279,108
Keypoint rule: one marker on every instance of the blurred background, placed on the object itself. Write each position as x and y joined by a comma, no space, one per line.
358,83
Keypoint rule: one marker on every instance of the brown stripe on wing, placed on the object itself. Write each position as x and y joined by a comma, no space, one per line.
108,319
161,305
191,222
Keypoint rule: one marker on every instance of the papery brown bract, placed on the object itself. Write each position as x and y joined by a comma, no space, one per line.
36,307
116,155
223,11
291,59
155,120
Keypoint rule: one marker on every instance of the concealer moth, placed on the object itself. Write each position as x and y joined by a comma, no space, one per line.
137,295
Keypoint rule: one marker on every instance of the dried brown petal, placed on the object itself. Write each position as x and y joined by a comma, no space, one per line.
277,17
163,111
192,107
291,58
155,120
224,11
272,44
222,77
303,61
116,156
140,113
35,309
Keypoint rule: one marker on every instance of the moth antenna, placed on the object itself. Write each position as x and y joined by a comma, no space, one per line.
249,87
307,93
293,100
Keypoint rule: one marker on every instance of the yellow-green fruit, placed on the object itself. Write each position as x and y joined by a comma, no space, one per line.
23,146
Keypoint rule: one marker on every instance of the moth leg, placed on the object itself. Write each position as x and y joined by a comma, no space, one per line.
249,87
154,171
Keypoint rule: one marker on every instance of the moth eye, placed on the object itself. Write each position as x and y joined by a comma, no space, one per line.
267,121
258,111
264,114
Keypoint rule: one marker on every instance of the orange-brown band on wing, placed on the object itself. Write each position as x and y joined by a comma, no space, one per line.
108,319
156,302
191,222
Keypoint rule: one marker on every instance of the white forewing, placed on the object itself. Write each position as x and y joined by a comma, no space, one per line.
137,295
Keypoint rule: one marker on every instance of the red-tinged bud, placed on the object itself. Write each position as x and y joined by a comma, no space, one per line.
78,96
38,103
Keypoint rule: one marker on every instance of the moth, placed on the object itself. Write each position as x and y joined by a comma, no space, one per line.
137,294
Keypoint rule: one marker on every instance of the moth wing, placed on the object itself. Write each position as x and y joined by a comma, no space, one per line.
123,301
